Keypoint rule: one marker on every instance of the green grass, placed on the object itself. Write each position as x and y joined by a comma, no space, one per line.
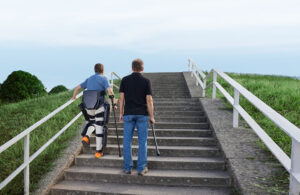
16,117
280,93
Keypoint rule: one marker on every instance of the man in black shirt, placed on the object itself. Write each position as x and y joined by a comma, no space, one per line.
136,91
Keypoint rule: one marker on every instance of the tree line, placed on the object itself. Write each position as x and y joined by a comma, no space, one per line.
21,85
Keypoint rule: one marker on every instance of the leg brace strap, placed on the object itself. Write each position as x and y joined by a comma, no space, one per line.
99,135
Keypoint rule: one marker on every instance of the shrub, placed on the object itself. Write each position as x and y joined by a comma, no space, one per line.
58,89
21,85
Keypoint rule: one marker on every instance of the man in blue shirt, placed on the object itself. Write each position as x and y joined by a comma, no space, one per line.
96,82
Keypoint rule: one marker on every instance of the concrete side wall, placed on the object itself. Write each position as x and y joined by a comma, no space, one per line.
254,170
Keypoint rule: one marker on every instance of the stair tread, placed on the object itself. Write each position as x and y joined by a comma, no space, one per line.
166,138
159,159
167,147
175,123
99,187
169,129
152,172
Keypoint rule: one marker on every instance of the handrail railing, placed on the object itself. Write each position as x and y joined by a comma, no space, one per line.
292,165
26,135
111,76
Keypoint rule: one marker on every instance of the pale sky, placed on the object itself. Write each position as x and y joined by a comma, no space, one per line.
60,41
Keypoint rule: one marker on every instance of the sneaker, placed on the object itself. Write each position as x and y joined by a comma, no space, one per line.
98,154
143,171
127,172
85,141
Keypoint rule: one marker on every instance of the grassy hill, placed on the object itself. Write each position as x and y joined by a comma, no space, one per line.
17,117
280,93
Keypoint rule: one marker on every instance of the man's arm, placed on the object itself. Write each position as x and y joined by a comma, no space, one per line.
150,108
75,92
121,103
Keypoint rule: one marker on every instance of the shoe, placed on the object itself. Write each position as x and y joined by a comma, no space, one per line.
85,141
98,154
127,172
143,171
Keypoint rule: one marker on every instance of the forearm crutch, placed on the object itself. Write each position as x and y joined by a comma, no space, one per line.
155,142
112,103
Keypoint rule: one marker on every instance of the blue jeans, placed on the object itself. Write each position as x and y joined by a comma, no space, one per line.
141,123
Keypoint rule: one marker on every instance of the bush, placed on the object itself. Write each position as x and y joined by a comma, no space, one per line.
58,89
21,85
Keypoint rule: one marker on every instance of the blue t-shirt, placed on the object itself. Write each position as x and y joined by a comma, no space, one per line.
95,82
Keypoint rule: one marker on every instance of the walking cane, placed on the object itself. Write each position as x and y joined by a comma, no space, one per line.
112,103
153,133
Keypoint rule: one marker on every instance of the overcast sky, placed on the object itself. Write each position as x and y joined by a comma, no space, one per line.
60,41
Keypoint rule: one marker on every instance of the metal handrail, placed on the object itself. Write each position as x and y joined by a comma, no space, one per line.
292,165
111,77
26,135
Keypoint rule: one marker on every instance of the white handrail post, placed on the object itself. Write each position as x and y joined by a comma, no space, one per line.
204,87
192,69
295,168
235,112
26,159
189,65
214,90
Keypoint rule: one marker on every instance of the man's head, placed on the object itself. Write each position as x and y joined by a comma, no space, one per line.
99,68
137,65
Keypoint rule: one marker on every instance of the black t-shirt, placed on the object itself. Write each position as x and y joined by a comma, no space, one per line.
135,88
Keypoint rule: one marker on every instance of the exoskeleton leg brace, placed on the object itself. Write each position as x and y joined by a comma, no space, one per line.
96,124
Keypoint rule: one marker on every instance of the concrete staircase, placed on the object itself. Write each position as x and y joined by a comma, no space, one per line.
190,161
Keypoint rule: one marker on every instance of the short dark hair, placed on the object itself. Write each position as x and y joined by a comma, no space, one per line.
99,68
137,65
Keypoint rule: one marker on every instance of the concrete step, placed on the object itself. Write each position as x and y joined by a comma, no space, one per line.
163,163
167,113
168,89
153,177
170,103
167,151
169,125
96,188
165,141
178,108
181,119
170,132
166,83
170,94
177,99
169,86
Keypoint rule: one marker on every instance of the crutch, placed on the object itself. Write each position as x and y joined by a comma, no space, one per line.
153,133
112,103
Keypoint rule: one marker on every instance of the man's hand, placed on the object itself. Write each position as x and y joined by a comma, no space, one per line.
115,107
73,98
121,118
151,120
